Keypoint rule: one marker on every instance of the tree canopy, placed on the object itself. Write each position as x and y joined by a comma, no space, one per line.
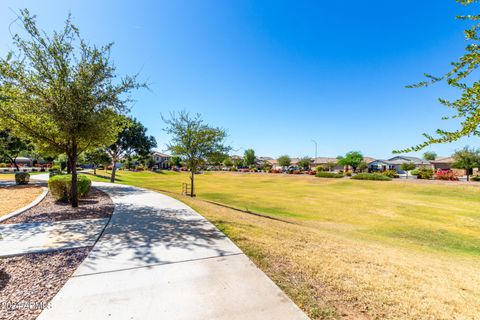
194,141
96,157
352,159
284,161
133,139
11,147
304,162
60,92
249,157
466,107
429,155
468,159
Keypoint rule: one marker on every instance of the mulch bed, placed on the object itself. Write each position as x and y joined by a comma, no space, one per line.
29,282
96,205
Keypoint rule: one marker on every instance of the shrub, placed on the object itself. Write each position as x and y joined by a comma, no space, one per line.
60,186
423,173
320,168
54,168
446,175
297,172
348,174
476,178
371,176
391,174
22,178
3,165
328,175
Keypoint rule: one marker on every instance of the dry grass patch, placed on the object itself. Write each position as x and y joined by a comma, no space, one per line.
15,197
331,277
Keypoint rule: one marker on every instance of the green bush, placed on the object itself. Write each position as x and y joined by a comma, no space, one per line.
60,186
348,173
391,174
371,176
320,168
328,175
476,178
22,178
422,173
54,168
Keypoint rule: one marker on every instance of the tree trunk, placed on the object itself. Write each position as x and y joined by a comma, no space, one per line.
114,169
468,176
94,170
73,167
192,180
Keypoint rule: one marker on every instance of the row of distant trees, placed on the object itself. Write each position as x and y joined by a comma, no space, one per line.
466,158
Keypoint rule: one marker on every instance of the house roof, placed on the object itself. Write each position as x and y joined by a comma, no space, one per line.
402,159
160,154
443,160
324,160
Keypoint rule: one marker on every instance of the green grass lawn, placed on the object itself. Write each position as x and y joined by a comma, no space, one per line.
348,248
436,217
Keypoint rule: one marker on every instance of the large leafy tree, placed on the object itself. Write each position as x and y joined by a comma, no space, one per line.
467,159
249,157
11,147
133,139
352,159
60,92
194,141
467,107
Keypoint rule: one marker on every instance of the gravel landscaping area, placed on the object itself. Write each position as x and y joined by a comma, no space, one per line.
15,197
29,282
96,205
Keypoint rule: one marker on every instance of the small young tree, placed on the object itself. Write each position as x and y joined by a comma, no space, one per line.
11,147
305,163
429,156
194,141
132,139
216,159
407,166
96,157
284,161
61,93
331,165
238,163
228,163
352,159
362,166
249,157
467,159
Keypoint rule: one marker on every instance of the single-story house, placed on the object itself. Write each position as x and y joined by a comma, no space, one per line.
162,160
395,163
445,163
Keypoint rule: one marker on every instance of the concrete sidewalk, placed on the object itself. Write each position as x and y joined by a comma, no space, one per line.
159,259
36,237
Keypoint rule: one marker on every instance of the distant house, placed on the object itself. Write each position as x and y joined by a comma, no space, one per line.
395,163
325,162
445,163
162,160
261,161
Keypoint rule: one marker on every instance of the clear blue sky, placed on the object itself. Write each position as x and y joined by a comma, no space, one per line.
277,74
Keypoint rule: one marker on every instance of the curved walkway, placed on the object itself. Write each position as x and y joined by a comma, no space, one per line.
159,259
